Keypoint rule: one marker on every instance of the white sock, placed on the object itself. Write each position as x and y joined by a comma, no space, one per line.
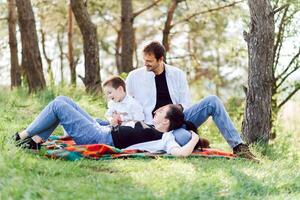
23,134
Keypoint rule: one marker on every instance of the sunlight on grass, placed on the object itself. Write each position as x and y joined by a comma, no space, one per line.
25,175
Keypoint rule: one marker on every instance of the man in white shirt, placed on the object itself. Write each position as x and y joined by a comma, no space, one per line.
157,84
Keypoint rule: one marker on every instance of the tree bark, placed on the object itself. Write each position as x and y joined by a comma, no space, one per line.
48,60
127,35
167,26
61,58
118,56
70,46
31,58
15,70
260,41
92,80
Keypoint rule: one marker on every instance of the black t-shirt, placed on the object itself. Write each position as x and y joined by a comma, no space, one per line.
125,136
162,92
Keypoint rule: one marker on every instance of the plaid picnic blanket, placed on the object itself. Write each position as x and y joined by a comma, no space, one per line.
60,147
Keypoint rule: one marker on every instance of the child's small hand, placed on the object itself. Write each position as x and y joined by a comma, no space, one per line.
116,119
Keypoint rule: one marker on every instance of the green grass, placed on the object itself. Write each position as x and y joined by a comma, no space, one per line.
24,175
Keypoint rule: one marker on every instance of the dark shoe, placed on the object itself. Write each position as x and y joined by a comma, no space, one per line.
16,137
243,151
28,143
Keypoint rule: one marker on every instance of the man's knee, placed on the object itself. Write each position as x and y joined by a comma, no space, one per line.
62,98
182,136
213,99
58,103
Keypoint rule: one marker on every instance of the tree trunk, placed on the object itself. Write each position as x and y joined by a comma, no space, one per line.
61,58
92,80
260,40
168,26
48,60
31,58
70,46
15,70
117,52
127,35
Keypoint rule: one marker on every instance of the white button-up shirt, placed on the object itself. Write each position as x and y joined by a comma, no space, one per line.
129,109
140,84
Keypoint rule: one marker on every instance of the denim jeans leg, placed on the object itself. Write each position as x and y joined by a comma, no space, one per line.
82,130
75,106
212,106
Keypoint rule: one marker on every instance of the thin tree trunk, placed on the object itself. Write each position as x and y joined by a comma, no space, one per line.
15,70
88,30
167,26
31,58
218,77
70,46
61,58
127,35
48,60
260,40
118,57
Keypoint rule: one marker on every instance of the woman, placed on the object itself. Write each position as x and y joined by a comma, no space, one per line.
85,130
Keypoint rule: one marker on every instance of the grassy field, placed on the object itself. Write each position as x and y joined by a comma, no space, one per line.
24,175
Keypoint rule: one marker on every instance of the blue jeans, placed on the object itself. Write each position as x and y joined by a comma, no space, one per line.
199,113
78,124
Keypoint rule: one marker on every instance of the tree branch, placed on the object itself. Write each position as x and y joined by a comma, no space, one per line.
289,65
286,76
135,14
206,11
280,8
278,43
289,96
44,46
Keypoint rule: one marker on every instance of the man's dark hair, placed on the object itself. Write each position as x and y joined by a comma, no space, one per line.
156,48
115,82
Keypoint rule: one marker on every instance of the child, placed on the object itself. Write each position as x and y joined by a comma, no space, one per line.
122,108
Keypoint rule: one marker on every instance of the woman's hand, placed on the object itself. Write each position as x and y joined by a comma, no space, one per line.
187,149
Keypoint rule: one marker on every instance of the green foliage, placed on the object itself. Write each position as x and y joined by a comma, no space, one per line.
24,175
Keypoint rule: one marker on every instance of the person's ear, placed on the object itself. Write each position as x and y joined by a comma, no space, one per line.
161,59
120,89
166,121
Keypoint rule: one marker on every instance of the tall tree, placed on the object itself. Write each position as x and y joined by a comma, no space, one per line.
48,60
127,35
61,57
31,58
260,41
92,80
167,26
15,70
72,65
